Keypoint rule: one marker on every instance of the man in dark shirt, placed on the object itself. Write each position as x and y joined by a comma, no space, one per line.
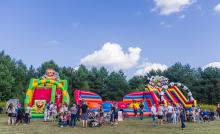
182,117
84,115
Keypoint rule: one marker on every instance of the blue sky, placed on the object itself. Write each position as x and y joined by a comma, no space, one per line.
70,31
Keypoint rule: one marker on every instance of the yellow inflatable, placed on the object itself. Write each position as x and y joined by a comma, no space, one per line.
134,104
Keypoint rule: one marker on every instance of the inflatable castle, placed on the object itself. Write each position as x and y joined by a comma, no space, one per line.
48,89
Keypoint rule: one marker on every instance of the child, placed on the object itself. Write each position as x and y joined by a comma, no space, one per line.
61,119
68,117
65,119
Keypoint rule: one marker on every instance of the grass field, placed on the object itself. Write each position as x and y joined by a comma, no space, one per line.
129,126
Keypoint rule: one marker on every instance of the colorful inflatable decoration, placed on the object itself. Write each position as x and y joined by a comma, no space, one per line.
135,98
176,96
82,95
94,100
158,81
48,89
170,92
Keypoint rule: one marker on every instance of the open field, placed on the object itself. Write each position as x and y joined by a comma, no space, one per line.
129,126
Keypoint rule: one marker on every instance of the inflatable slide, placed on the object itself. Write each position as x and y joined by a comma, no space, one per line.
46,90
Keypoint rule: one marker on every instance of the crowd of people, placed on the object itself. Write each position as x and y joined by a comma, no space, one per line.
175,114
18,115
65,116
69,116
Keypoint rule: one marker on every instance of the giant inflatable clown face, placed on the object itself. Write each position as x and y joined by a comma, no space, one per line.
50,74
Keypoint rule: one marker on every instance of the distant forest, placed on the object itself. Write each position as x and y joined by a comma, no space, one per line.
15,77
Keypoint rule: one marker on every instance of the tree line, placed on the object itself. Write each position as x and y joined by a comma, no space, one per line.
15,77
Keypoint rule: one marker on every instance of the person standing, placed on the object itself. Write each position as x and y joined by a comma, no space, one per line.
169,113
112,113
11,114
116,115
84,115
101,116
182,117
73,115
141,110
134,108
218,110
174,116
154,114
19,117
160,114
78,112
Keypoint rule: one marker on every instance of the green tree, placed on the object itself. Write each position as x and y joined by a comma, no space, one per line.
7,65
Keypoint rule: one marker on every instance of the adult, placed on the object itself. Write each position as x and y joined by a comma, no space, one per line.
1,109
84,115
169,113
112,114
141,106
78,112
182,117
101,116
218,110
160,114
19,117
174,116
116,115
11,114
134,108
27,115
73,115
154,114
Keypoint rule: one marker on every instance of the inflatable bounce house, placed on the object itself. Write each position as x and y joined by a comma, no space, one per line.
158,91
135,98
48,89
94,100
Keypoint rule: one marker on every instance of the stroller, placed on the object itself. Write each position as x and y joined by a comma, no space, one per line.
93,119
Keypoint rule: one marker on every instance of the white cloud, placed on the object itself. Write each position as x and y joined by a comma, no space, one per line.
147,67
217,8
212,64
167,7
53,42
112,55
